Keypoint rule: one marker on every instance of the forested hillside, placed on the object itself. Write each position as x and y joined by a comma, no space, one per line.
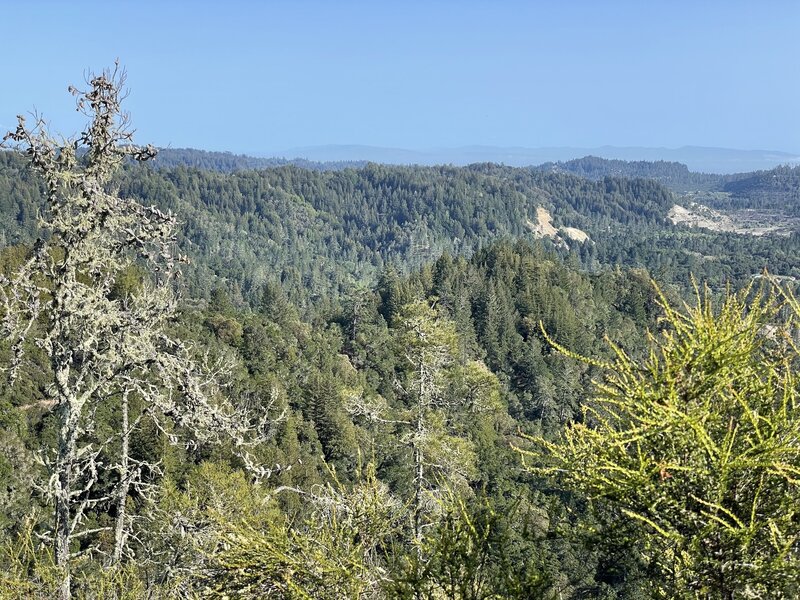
383,382
674,175
332,389
227,162
327,230
777,189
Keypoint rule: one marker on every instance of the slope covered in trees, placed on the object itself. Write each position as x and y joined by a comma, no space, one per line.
339,404
341,396
227,162
324,231
674,175
340,393
777,189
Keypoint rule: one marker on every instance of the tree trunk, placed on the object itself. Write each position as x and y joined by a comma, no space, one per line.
419,475
63,528
120,533
419,472
419,468
65,466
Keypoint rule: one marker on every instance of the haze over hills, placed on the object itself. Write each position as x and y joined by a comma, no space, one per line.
697,158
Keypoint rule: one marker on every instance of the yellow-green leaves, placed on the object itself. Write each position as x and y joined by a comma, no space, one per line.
698,443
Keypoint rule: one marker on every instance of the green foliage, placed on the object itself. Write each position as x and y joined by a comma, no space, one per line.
17,470
29,571
698,445
305,229
299,277
471,554
777,189
332,555
180,524
427,343
322,376
674,175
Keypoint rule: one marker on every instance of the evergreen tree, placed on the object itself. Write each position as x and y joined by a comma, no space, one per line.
698,446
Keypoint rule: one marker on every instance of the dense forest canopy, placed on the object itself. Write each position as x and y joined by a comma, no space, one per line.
673,175
388,382
327,230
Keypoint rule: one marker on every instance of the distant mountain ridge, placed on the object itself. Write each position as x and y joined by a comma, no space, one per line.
227,162
675,175
698,159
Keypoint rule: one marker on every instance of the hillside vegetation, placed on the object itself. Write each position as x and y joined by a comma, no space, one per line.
326,230
384,382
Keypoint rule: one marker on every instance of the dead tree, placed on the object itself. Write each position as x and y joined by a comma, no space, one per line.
103,346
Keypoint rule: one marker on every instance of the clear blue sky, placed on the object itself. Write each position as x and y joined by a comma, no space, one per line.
266,76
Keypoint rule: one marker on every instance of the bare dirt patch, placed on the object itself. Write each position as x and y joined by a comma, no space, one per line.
575,234
544,228
544,224
744,221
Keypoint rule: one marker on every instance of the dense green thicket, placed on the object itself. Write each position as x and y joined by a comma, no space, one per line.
335,386
397,326
341,450
696,446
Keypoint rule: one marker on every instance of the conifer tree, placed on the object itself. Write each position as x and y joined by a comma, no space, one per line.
699,445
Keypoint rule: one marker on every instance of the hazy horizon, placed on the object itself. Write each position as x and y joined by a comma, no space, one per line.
697,159
263,78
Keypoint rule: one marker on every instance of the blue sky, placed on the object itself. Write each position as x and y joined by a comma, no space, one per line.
261,77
